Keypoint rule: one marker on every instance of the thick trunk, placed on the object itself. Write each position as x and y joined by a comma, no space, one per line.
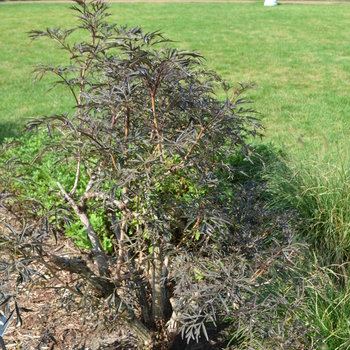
143,302
141,283
157,301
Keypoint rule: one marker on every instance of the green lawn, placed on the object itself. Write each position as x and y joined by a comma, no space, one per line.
298,56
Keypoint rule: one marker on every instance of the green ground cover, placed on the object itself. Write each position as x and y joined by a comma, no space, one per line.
299,58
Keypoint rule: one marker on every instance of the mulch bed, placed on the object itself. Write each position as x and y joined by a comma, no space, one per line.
56,327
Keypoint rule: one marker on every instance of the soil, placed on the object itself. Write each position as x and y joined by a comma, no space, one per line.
57,327
64,330
217,341
67,331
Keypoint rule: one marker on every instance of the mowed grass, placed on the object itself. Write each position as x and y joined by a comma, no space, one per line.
297,55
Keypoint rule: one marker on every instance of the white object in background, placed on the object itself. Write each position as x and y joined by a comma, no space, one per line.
270,3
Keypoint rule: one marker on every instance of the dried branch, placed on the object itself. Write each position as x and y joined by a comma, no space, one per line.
97,248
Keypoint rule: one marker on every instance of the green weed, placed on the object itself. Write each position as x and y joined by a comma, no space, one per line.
38,183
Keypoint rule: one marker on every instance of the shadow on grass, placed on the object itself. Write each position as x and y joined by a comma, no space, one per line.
9,129
256,168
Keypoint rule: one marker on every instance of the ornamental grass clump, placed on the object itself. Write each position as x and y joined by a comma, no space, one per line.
149,144
320,193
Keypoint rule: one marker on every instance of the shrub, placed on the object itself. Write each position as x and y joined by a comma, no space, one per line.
149,145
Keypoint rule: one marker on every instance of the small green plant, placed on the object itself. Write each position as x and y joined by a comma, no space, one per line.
78,233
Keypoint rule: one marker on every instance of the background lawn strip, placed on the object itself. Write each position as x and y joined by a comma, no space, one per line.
298,56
